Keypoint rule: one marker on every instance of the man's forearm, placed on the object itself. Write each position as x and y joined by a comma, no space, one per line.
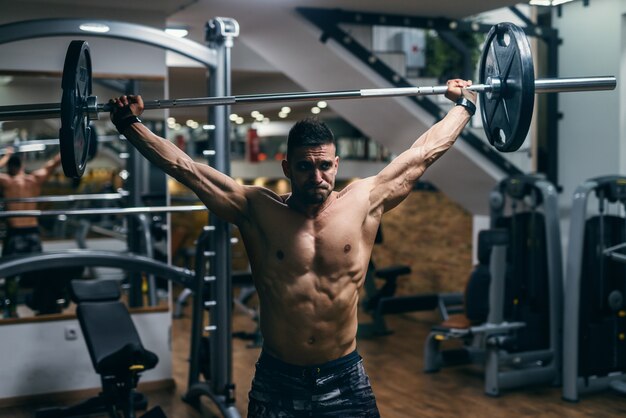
441,136
157,150
4,160
52,164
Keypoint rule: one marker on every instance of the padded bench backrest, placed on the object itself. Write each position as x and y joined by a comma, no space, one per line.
94,290
105,321
107,327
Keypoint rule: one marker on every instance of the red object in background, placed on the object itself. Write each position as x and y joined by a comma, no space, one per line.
253,145
180,142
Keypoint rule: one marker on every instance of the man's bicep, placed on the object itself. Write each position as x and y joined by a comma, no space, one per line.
40,175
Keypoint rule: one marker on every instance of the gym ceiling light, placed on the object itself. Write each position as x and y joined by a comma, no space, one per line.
179,32
548,2
94,27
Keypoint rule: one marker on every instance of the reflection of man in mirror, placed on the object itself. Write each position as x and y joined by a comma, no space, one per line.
22,235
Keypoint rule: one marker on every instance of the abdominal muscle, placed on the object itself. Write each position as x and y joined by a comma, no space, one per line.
308,272
311,320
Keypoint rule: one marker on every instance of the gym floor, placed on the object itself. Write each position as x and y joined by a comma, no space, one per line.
394,364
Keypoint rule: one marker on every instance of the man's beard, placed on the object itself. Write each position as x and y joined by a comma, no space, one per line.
314,196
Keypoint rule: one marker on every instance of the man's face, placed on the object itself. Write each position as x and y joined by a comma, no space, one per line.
312,172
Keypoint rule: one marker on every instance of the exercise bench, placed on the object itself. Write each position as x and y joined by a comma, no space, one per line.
116,353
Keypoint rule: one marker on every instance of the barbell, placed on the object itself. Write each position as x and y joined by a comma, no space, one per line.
101,211
68,198
506,89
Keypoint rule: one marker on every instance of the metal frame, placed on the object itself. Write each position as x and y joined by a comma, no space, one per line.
220,33
100,211
67,198
43,28
15,265
216,58
483,341
573,384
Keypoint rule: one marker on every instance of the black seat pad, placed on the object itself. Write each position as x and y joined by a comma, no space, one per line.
113,342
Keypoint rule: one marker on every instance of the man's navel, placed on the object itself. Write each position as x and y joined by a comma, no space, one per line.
347,248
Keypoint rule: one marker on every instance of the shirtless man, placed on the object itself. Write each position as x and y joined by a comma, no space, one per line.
309,251
22,233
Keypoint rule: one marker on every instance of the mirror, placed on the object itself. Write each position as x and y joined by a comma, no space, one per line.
110,181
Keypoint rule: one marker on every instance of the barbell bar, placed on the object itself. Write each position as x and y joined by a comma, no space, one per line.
34,145
68,198
506,90
542,85
101,211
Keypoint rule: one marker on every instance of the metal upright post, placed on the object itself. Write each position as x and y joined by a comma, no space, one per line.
220,35
552,146
135,166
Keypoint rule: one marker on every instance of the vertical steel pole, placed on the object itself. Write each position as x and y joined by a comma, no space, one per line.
220,35
552,152
135,166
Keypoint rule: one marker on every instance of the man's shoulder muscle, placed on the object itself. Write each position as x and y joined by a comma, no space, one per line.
261,194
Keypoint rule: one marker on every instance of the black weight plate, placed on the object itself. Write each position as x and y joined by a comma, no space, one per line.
506,116
75,131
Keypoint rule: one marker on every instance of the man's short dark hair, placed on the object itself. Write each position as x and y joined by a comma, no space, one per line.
309,132
14,164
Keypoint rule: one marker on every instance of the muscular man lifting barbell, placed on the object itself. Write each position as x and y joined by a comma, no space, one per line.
308,250
22,236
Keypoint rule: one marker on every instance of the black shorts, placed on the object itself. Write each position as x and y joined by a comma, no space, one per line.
21,241
339,388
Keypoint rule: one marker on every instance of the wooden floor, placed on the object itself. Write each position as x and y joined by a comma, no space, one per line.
394,364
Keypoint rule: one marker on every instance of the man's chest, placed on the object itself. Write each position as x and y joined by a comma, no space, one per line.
322,245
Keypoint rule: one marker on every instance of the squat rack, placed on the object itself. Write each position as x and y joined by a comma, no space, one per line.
220,33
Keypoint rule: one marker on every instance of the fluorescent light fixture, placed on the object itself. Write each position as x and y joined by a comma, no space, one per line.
94,27
177,32
208,127
548,2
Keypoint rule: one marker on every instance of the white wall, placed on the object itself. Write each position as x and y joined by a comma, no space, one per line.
592,129
36,358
